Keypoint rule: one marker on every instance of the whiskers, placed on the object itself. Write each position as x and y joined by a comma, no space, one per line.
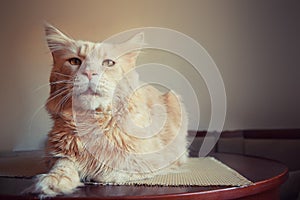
64,91
65,99
69,80
60,74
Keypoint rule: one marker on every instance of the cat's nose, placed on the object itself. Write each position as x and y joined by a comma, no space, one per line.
89,73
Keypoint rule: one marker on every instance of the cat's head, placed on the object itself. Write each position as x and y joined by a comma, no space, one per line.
86,74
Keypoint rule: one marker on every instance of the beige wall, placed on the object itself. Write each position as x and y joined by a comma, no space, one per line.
255,44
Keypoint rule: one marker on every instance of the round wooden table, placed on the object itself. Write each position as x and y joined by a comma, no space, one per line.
267,176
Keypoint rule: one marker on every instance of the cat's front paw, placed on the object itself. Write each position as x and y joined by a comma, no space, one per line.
50,185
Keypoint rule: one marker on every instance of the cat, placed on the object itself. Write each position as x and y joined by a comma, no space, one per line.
108,126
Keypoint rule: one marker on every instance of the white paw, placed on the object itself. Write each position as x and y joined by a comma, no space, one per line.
52,184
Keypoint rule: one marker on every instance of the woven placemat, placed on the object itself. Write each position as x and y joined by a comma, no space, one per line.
205,171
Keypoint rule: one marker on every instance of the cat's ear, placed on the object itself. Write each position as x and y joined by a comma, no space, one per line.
56,39
133,47
138,40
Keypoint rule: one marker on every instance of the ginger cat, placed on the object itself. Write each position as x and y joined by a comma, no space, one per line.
108,126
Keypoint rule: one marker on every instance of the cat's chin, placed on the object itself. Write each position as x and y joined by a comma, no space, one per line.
86,102
89,102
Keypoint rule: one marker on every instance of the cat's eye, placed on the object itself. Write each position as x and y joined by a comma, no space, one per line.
108,63
75,61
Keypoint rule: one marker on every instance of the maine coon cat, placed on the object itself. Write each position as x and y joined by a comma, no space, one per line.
108,127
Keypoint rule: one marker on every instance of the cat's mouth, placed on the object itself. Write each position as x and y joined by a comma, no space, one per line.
90,92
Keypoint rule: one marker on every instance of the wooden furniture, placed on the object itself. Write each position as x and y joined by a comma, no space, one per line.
267,176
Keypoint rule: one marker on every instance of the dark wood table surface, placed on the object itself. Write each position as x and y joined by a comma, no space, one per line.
267,176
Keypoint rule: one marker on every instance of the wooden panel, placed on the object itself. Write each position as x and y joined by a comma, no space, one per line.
259,134
272,134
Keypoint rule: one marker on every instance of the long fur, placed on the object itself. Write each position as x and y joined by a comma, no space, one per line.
123,132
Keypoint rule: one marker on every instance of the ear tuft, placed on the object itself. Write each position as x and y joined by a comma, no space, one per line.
138,39
56,39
